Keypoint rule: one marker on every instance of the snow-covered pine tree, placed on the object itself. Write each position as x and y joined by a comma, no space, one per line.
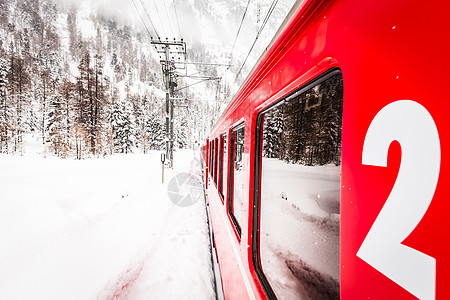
154,131
5,113
128,137
115,121
138,107
19,86
67,92
181,134
272,133
121,121
55,126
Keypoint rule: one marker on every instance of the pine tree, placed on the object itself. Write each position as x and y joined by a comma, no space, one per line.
67,91
55,125
19,85
91,94
121,121
5,113
181,133
154,131
272,133
128,137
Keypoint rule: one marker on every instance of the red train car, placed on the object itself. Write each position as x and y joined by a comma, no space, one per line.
327,173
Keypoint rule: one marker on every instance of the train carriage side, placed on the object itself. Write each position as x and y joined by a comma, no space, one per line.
327,171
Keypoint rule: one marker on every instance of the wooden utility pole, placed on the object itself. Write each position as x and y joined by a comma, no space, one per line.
174,52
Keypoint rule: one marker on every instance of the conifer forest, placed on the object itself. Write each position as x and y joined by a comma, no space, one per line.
84,85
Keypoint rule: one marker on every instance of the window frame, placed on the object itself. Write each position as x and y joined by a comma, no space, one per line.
255,243
211,161
209,156
216,154
221,169
230,192
213,158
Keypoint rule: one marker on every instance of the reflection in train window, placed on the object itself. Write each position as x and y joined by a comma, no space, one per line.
210,157
216,160
300,200
235,204
223,164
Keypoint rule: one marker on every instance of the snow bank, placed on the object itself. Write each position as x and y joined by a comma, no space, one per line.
300,226
90,229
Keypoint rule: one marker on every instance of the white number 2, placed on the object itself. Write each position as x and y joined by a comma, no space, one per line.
412,126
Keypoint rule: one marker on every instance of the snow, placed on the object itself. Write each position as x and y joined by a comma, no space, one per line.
303,186
87,27
99,228
237,195
300,230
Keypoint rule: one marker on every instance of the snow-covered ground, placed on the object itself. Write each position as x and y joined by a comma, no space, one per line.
99,229
300,217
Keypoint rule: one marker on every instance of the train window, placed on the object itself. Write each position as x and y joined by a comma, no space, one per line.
206,154
299,148
216,160
211,161
223,164
236,172
213,158
209,156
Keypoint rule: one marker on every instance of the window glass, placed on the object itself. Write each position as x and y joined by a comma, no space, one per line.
223,164
209,160
237,172
216,159
213,158
300,200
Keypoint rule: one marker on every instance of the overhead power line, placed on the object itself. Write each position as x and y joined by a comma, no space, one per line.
142,19
168,18
239,30
266,19
176,16
148,16
269,13
159,16
207,79
205,64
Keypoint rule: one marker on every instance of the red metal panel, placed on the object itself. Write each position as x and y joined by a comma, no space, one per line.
232,281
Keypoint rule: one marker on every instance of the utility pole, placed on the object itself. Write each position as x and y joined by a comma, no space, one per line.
174,52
